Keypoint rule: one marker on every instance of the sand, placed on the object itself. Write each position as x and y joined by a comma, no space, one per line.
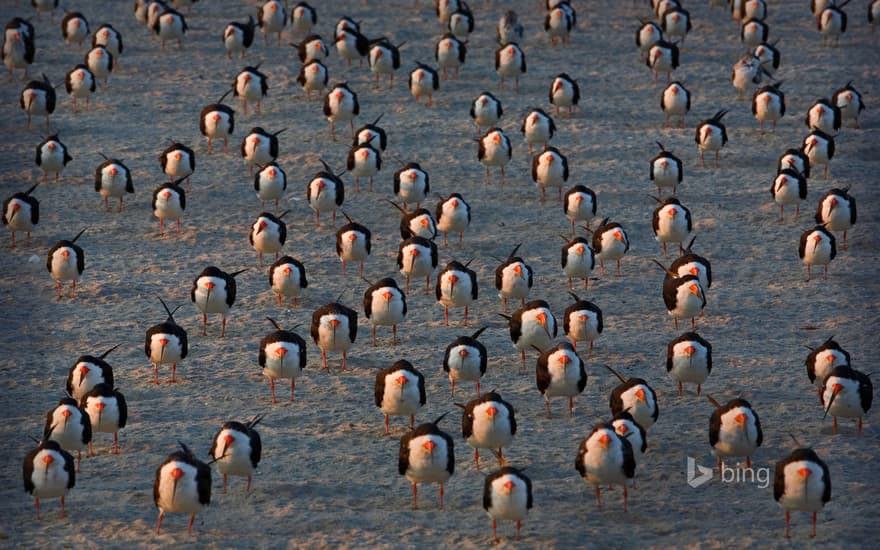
328,476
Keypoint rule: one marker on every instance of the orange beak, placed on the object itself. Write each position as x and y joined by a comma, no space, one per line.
695,290
640,395
604,440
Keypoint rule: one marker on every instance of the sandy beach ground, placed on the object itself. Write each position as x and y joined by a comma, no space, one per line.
328,476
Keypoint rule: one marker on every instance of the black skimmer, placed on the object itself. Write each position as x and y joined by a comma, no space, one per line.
609,243
550,169
48,472
371,133
183,484
849,100
648,34
287,278
312,48
486,110
334,328
666,170
558,24
823,115
683,295
445,8
510,62
579,204
100,61
326,192
217,121
21,212
74,28
113,179
675,102
847,393
384,58
465,359
411,184
605,458
302,18
711,135
450,53
507,495
341,104
662,58
353,243
87,372
178,161
753,9
461,21
734,430
578,260
274,350
268,234
38,98
237,450
69,426
313,77
873,13
488,422
794,158
671,222
753,32
817,246
423,81
453,214
456,287
513,278
270,183
689,359
259,147
351,44
250,85
169,202
822,360
508,28
364,160
79,83
272,17
789,187
582,322
559,372
385,305
66,262
170,25
819,149
769,56
801,482
165,343
417,257
832,23
676,24
627,428
768,104
213,291
52,156
532,326
107,410
538,128
18,49
238,37
494,150
635,396
427,455
399,391
693,264
837,211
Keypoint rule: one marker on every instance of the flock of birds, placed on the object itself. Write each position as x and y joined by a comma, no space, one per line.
610,453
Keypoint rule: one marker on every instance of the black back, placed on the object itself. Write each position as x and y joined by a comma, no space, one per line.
796,456
203,474
334,308
715,420
467,418
28,466
429,428
616,401
507,470
688,337
470,341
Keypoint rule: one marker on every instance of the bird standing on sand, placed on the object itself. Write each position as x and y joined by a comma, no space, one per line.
213,291
427,455
237,450
605,458
399,391
183,484
282,355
